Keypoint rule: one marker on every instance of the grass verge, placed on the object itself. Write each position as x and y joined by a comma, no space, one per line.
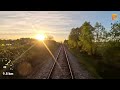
88,62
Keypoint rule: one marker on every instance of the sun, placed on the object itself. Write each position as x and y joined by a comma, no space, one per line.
40,37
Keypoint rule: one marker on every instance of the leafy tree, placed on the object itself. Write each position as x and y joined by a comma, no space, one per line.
86,38
82,38
115,32
99,33
74,38
65,41
49,37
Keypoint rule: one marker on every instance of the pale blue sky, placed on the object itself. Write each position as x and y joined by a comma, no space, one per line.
17,24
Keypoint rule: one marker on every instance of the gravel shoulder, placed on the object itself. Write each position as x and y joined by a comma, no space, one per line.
78,70
41,71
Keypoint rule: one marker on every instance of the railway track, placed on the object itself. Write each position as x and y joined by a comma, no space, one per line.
61,68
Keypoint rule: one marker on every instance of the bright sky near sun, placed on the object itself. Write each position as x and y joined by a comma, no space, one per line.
17,24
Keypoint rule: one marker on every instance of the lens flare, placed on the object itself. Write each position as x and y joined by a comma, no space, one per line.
40,37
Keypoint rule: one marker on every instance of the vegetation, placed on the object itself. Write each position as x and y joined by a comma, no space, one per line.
97,48
25,54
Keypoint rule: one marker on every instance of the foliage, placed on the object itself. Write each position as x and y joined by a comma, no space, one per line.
34,56
86,37
81,38
102,44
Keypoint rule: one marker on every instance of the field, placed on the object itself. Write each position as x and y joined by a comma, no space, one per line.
25,54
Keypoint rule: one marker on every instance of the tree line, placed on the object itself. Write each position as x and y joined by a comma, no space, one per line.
88,38
96,41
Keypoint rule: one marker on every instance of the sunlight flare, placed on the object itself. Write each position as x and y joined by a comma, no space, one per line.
55,59
40,37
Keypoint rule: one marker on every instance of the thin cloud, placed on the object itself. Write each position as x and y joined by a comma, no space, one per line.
58,23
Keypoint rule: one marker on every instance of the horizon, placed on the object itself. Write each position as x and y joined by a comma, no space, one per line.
26,24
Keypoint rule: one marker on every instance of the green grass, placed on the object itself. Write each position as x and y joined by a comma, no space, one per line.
88,62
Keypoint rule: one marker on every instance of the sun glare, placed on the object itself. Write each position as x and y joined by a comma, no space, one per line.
40,37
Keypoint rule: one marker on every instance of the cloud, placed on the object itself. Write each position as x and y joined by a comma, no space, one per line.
58,23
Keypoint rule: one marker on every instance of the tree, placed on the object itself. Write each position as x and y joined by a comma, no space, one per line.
74,38
99,33
115,32
65,41
49,37
82,38
86,38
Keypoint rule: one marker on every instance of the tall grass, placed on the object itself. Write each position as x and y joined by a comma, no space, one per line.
35,56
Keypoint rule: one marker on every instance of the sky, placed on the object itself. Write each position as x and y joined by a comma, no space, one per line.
22,24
